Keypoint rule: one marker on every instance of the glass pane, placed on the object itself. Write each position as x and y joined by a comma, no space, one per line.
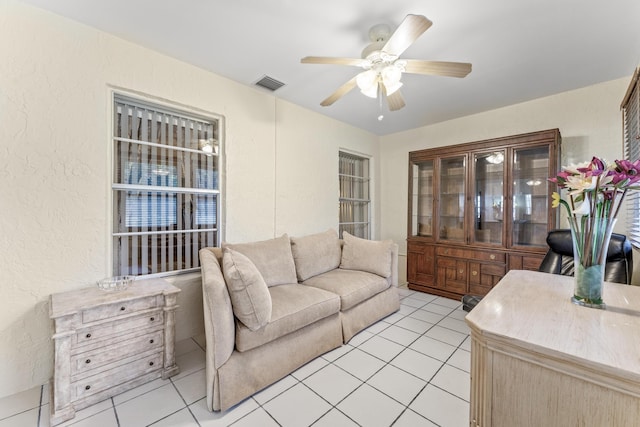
160,253
157,232
488,201
452,194
143,165
354,201
530,196
422,203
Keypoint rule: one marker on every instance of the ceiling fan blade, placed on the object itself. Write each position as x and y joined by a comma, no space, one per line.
438,68
395,101
409,30
342,91
334,61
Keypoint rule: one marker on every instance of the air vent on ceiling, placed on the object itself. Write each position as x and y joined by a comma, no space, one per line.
269,83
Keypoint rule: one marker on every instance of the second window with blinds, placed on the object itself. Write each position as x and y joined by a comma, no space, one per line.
354,202
166,193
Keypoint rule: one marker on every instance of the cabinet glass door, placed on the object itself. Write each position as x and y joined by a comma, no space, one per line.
422,199
530,204
488,203
452,196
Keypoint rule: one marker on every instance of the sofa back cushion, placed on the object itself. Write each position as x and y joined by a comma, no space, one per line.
316,254
366,255
272,258
249,293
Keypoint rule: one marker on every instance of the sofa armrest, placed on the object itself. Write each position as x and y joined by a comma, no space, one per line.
219,323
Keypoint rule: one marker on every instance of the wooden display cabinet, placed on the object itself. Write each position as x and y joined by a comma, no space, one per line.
478,210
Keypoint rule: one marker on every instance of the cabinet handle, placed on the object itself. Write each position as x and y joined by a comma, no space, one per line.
87,387
87,361
474,273
122,308
150,363
88,335
150,341
152,319
492,256
460,271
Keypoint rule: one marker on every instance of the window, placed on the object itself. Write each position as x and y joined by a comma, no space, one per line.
631,114
166,193
354,216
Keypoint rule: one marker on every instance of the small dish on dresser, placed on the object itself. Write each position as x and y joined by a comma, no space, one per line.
116,283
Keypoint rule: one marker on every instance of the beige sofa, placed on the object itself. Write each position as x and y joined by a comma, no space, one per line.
272,306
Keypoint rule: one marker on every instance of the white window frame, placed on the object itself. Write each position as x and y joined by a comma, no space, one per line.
200,189
354,177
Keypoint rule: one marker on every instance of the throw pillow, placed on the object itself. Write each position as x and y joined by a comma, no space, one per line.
272,258
316,254
250,297
366,255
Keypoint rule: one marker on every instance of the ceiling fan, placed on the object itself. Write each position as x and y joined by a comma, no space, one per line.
382,68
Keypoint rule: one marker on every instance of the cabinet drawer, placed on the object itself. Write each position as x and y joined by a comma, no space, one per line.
118,309
113,377
96,333
470,254
96,358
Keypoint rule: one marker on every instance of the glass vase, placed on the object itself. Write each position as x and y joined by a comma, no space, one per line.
590,237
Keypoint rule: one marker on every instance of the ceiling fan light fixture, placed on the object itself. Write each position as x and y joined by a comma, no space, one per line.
367,81
391,76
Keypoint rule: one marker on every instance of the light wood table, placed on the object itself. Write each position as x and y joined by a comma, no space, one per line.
537,359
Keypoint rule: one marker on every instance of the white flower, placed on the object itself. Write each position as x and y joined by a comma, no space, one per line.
583,209
580,183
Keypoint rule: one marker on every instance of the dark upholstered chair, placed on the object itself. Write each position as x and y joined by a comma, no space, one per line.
559,260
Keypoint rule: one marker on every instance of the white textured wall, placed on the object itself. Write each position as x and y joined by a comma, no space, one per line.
589,120
56,77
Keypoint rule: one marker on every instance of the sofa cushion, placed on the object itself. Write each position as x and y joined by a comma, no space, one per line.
272,258
294,306
316,253
353,286
250,298
366,255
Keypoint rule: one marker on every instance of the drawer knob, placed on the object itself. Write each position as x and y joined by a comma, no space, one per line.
150,341
150,363
87,361
460,271
492,256
474,273
152,319
446,251
87,387
122,308
88,335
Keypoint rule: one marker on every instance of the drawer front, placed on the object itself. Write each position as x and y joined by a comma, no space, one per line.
96,358
118,309
113,377
96,333
489,256
492,256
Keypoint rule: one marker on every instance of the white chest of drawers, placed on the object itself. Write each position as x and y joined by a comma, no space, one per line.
109,342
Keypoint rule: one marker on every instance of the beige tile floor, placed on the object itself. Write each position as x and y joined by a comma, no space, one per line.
409,369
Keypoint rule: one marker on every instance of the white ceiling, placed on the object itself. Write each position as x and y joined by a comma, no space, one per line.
520,50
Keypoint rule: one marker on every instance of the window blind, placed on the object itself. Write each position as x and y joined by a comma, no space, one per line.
631,118
165,188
